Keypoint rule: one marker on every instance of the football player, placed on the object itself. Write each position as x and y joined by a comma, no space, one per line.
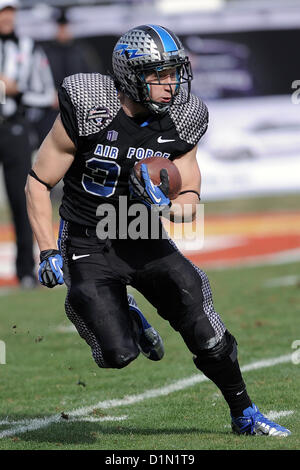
107,124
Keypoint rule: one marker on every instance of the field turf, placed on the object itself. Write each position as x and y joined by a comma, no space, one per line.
54,397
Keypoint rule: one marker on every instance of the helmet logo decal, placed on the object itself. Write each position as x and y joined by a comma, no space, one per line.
167,40
132,53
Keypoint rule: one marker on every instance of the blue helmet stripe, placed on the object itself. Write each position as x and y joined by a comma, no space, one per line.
167,41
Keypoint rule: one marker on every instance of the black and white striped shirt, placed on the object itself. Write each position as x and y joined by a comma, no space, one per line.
22,61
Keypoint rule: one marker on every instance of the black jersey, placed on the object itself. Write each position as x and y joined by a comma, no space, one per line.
109,142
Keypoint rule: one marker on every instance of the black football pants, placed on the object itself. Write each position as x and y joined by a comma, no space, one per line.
97,273
15,156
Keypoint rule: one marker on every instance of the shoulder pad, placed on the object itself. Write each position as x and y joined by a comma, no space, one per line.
190,117
95,101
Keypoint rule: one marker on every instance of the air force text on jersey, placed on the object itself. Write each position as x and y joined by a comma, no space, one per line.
139,153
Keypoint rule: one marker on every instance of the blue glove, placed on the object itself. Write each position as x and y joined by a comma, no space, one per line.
50,270
149,193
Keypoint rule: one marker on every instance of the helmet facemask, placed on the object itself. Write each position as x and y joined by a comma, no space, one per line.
183,76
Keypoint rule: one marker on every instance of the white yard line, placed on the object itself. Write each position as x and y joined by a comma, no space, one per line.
278,414
66,329
38,423
282,281
91,419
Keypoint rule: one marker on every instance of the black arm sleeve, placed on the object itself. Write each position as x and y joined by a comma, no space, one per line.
68,115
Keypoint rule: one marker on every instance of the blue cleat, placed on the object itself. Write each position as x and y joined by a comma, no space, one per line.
150,344
254,423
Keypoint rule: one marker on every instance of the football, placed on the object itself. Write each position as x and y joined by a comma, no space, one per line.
155,165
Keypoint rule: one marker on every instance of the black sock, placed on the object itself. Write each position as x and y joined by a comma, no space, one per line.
233,387
228,378
220,365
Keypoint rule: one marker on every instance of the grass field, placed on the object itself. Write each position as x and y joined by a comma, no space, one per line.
53,396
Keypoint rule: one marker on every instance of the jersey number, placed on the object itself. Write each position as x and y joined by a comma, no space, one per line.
103,177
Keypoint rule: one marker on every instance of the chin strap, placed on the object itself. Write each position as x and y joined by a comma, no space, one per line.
157,108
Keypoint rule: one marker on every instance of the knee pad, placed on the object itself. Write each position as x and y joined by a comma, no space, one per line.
224,349
118,359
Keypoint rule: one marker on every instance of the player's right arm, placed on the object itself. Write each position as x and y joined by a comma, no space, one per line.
54,158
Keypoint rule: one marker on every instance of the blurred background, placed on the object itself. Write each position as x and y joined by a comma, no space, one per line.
245,61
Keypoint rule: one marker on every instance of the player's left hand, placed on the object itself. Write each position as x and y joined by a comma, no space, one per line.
50,271
149,193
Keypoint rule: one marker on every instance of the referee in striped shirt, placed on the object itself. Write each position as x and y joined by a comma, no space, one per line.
25,82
